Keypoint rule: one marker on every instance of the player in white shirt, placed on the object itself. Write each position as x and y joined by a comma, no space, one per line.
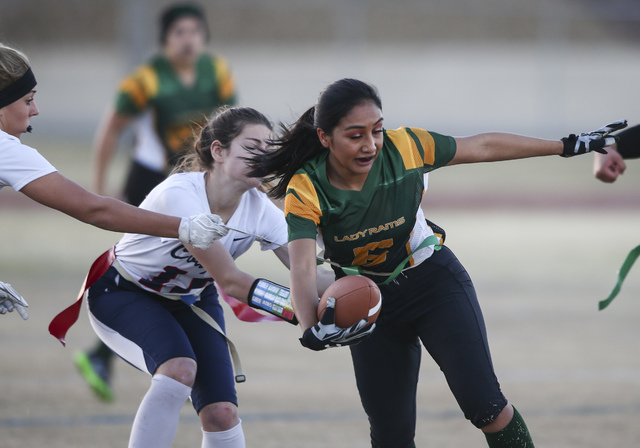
24,169
148,307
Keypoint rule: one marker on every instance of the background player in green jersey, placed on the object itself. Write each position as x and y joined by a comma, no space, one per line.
359,186
165,99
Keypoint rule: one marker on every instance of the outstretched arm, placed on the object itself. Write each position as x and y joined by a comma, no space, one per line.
496,146
56,191
493,147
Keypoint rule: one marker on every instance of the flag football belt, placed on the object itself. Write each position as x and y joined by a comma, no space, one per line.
190,300
431,240
622,274
64,320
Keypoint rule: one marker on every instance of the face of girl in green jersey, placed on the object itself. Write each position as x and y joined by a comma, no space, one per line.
353,146
185,40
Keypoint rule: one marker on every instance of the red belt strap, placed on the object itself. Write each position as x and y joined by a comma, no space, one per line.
65,319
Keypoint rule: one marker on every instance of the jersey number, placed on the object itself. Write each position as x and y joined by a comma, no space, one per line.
169,273
371,254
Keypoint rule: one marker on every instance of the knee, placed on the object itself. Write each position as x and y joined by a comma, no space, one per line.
219,416
501,421
182,370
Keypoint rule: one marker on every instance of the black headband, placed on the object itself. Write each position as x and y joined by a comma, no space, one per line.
13,92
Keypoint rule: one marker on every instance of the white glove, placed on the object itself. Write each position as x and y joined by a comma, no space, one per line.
201,230
10,300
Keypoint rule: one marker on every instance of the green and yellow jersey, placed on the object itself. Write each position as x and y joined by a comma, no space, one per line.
377,227
176,108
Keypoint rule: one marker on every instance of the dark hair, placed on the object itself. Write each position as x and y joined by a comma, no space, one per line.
300,142
224,125
177,11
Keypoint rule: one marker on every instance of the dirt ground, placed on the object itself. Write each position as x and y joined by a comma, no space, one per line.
540,270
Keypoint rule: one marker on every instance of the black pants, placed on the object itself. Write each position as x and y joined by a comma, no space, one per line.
434,303
140,181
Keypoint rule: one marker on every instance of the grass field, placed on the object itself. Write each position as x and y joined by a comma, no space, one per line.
541,255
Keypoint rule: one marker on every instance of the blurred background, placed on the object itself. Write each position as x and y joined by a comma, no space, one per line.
543,67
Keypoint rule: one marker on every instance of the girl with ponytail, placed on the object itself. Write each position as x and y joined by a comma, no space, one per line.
357,188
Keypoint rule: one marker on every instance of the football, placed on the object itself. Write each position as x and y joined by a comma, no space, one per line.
356,297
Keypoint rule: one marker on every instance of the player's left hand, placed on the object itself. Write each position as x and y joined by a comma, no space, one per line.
10,300
327,334
201,231
592,141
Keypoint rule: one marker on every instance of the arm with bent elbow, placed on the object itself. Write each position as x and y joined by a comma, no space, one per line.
105,145
218,262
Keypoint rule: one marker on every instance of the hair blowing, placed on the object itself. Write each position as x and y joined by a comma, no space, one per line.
300,141
224,126
13,64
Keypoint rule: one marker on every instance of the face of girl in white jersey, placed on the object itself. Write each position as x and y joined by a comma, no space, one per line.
230,163
15,118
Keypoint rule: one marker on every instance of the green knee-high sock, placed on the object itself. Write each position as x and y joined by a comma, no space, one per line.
514,435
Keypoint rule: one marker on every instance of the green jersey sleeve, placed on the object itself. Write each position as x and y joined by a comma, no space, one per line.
136,90
302,207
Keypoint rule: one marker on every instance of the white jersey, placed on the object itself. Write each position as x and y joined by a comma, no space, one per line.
20,164
163,265
148,150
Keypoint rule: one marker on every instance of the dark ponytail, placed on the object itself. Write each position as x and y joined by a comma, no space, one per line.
300,142
297,144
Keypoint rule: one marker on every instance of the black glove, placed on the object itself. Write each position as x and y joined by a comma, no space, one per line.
592,141
326,334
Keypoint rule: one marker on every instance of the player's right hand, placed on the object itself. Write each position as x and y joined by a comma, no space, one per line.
201,231
326,334
10,300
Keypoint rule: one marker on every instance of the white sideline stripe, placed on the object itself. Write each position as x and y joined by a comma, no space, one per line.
445,414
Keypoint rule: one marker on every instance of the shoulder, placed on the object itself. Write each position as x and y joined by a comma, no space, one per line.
12,150
217,63
144,77
254,199
179,186
181,194
191,181
20,164
419,147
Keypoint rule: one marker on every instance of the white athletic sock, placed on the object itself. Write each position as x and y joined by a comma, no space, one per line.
157,418
231,438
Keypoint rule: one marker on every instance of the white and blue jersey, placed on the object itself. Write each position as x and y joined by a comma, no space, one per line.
164,266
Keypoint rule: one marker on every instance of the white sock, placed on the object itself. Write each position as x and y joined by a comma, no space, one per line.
231,438
157,418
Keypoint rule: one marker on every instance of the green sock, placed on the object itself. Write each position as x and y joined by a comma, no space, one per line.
514,435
